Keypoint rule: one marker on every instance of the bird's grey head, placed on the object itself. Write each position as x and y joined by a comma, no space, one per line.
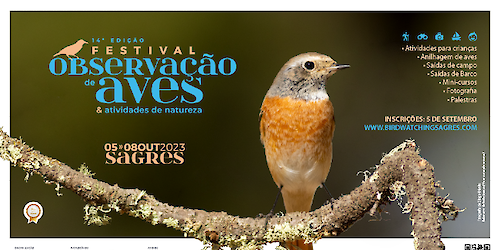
304,77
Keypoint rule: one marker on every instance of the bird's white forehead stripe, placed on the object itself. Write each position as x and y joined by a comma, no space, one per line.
312,58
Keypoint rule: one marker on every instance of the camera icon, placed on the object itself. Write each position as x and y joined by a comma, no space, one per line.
422,36
439,36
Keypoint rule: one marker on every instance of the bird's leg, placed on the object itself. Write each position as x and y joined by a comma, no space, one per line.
276,200
270,214
328,191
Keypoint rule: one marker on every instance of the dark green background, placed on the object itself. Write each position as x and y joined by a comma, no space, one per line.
225,168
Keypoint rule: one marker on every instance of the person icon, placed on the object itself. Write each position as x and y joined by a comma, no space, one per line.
406,37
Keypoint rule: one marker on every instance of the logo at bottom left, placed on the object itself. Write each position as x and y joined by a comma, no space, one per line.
33,211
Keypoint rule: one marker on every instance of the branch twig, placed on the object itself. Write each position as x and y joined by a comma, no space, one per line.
402,167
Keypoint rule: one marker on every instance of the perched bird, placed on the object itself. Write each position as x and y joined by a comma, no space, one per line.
296,128
72,50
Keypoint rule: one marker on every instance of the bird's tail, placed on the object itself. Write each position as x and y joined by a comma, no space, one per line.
56,54
298,245
297,202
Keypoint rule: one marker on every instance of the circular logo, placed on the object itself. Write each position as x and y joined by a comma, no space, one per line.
473,37
33,211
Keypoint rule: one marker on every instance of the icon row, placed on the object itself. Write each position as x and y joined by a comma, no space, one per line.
440,37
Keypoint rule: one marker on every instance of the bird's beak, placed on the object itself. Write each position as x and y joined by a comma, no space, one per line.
336,67
339,66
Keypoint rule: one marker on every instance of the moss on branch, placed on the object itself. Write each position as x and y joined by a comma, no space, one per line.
402,171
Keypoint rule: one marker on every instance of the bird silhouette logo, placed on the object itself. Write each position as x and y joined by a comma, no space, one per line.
71,50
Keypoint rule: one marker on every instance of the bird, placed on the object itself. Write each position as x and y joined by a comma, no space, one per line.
72,50
296,128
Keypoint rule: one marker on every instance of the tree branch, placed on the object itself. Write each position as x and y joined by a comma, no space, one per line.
401,171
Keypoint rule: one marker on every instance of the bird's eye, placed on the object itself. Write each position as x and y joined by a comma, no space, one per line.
309,65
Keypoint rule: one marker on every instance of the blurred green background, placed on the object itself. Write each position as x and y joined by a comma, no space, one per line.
225,167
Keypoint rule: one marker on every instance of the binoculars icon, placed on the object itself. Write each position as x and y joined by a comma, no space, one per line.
422,36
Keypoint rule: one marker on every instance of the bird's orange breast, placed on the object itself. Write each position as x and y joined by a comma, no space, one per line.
297,136
286,122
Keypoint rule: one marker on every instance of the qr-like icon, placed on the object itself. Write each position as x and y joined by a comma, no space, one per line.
477,247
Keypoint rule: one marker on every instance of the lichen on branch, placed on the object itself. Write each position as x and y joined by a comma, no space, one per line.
401,171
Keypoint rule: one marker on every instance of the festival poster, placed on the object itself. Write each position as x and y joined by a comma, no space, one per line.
169,103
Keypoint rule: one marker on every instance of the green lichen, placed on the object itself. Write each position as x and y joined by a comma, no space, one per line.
27,176
12,154
171,222
241,243
45,162
398,191
98,189
92,216
374,177
35,164
85,170
146,212
138,197
86,186
365,173
58,189
191,229
114,205
286,232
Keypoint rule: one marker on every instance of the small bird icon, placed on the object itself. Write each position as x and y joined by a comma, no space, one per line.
296,128
72,50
